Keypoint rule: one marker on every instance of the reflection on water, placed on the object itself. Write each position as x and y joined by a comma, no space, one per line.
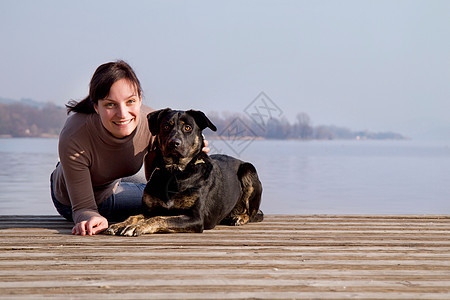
25,168
332,177
352,177
24,183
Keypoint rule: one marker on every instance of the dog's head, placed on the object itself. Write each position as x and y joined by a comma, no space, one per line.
178,134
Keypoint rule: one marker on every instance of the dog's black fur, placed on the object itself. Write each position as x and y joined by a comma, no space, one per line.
190,191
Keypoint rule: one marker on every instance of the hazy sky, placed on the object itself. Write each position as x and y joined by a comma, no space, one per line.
377,65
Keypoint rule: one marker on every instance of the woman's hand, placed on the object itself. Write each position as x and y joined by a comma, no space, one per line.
90,227
205,146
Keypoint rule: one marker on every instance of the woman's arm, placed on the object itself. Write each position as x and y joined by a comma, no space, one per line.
75,163
88,220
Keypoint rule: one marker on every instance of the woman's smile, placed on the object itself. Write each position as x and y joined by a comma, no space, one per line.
122,123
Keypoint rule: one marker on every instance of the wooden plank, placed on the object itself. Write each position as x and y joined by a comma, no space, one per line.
323,257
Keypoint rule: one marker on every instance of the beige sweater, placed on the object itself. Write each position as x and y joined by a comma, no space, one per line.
93,161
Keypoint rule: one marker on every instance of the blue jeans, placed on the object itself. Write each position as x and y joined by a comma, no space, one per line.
124,202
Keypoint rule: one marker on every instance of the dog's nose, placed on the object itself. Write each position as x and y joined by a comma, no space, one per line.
175,143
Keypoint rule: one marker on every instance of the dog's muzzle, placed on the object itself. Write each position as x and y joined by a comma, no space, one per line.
173,143
174,148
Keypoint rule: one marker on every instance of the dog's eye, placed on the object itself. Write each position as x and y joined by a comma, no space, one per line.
187,128
166,127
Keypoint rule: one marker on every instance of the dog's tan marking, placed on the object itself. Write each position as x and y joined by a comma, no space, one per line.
185,202
117,228
199,161
151,202
157,225
248,191
193,149
242,219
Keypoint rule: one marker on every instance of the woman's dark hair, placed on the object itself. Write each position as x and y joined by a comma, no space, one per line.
102,80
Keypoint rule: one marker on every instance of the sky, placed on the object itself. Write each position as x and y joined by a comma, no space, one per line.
365,65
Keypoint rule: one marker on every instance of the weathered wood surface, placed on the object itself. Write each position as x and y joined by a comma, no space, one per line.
322,257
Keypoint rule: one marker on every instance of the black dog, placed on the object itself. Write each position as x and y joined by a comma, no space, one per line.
190,191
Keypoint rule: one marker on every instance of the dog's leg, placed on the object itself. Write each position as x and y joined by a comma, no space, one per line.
247,207
162,224
253,187
116,228
238,216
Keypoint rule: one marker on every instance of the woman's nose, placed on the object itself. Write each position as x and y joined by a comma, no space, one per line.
122,111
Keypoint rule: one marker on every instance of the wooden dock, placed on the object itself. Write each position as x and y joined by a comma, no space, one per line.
284,257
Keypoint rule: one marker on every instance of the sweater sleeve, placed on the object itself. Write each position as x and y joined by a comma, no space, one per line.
75,162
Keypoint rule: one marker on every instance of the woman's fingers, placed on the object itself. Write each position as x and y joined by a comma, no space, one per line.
205,146
79,228
90,227
98,225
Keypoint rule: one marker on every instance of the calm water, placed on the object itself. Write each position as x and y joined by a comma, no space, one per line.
332,177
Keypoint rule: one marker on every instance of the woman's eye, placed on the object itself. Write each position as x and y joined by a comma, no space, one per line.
131,101
109,105
187,128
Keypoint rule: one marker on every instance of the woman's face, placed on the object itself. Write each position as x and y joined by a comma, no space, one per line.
119,111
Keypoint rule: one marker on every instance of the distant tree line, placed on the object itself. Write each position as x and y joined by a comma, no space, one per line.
46,120
22,120
234,125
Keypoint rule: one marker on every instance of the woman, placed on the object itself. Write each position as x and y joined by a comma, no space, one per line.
105,139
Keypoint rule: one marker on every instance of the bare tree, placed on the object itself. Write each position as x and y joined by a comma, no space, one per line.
303,126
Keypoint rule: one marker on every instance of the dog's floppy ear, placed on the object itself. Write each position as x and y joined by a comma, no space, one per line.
201,119
154,119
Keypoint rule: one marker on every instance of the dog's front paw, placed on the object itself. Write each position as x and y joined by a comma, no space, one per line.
124,228
131,230
128,230
114,229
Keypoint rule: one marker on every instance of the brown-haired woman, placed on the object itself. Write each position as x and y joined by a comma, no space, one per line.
105,139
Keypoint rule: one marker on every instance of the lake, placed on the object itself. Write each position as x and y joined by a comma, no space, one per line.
299,177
